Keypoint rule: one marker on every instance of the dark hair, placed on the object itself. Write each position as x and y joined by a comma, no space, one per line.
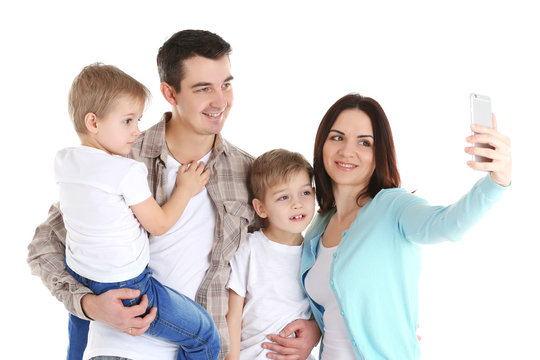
386,174
186,44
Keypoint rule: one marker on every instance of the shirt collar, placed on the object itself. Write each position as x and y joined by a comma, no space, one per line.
153,143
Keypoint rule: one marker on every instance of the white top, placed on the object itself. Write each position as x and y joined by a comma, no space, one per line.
267,275
336,343
104,241
178,259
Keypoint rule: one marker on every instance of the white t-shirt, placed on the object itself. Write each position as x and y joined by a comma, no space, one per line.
336,341
178,259
267,275
104,241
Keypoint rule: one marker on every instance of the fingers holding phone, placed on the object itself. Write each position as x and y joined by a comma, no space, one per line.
490,149
481,115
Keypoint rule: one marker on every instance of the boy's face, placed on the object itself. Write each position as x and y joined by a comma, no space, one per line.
206,95
117,130
289,206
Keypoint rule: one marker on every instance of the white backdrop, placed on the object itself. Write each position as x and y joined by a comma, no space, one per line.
291,60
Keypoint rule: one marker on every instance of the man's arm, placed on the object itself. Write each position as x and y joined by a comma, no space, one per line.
299,347
46,259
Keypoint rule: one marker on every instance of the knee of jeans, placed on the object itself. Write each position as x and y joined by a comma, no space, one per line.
214,342
212,335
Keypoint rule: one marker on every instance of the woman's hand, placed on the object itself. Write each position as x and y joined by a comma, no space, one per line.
500,153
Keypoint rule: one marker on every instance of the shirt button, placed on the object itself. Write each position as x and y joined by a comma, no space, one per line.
342,314
335,255
331,282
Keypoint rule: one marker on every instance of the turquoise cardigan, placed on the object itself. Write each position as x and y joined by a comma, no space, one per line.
376,267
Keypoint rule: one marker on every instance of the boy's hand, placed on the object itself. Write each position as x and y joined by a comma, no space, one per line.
109,309
294,348
192,177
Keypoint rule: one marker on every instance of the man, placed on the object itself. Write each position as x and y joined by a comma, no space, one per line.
193,257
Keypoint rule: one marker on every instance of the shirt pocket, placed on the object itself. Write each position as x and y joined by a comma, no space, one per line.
236,218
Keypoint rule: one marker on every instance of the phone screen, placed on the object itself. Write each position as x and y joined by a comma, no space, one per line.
481,110
481,115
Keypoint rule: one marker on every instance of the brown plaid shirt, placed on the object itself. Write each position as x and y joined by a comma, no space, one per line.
227,188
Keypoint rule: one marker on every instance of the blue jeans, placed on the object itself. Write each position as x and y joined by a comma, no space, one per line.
179,319
78,336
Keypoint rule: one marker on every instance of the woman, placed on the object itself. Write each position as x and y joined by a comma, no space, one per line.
361,259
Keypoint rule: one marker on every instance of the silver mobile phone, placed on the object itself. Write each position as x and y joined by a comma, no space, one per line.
481,115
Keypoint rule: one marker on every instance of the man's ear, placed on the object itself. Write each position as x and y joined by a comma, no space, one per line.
90,123
169,93
259,208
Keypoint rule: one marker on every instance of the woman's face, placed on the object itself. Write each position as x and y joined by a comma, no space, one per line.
348,152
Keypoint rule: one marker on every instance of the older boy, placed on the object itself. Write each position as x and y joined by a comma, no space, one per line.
196,81
265,293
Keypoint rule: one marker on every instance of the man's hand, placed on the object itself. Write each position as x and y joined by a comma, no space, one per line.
109,309
294,348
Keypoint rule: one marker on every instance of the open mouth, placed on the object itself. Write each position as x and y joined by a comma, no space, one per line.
297,217
213,115
346,165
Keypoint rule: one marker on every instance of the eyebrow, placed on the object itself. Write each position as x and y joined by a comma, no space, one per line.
359,136
284,188
205,83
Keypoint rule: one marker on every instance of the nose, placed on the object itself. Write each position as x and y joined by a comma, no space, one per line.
347,148
136,131
219,100
296,203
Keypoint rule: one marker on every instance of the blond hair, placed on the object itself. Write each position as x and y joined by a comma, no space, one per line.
96,89
275,167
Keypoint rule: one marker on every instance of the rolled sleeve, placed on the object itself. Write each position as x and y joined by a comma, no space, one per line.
46,259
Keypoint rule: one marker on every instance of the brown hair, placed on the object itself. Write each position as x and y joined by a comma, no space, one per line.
273,167
184,45
96,89
386,174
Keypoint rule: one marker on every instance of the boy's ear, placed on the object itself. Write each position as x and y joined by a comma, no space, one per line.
90,123
259,208
168,93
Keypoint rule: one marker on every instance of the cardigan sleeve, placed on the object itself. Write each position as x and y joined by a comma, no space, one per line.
424,224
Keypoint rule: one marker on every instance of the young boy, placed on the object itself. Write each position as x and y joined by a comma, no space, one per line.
107,205
264,288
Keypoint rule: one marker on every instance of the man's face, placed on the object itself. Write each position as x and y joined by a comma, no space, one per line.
206,95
